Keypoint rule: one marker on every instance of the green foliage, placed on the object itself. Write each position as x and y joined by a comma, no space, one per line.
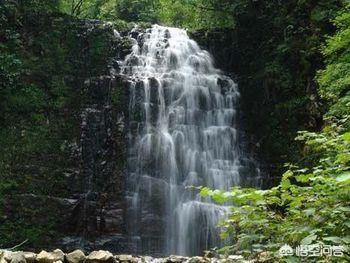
198,14
113,10
194,14
134,11
282,42
310,205
335,79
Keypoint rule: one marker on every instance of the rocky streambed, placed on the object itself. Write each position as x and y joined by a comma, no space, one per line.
102,256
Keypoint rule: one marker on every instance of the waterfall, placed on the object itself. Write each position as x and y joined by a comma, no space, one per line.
182,133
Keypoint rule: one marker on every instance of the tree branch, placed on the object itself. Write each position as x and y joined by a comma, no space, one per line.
16,246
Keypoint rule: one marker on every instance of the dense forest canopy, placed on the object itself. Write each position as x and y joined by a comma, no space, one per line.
176,13
292,61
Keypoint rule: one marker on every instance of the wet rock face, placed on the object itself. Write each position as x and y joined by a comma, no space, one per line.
102,256
99,212
100,209
221,45
90,213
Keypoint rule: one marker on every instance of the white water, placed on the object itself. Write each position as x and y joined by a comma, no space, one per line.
182,133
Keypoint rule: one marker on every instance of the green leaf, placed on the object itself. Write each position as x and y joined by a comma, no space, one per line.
205,191
346,136
346,239
308,240
285,183
336,240
292,259
310,211
344,208
343,177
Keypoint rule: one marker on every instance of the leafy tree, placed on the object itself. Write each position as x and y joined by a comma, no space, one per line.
134,11
335,79
130,11
198,14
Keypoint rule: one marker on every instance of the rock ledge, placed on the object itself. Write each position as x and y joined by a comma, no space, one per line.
102,256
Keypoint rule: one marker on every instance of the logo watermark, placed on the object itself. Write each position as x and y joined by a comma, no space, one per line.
316,250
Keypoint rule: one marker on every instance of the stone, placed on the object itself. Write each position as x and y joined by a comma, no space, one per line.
198,260
146,259
100,256
2,257
50,257
176,259
77,256
58,254
235,257
30,257
126,258
12,257
17,257
6,256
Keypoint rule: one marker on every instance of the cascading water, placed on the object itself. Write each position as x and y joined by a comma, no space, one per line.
182,133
